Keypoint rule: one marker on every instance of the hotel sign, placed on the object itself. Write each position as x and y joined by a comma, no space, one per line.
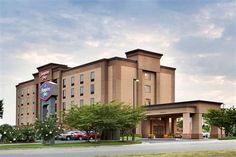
47,90
44,75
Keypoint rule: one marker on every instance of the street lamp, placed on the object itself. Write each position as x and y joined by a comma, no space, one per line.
134,103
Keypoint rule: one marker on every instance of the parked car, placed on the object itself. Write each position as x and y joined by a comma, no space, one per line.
206,135
70,135
81,135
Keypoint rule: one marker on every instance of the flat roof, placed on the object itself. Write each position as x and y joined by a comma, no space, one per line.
184,103
167,67
142,50
25,82
101,60
51,64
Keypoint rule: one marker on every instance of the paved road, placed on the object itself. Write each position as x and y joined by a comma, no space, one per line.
169,146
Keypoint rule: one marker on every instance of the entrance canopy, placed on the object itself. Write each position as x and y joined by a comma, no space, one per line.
165,115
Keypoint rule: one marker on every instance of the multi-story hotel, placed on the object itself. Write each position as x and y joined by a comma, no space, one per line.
138,79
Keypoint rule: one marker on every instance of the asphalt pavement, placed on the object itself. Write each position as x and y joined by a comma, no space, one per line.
144,148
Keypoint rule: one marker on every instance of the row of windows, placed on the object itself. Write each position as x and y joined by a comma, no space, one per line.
81,91
81,103
81,78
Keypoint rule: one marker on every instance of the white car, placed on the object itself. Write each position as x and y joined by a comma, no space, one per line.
206,135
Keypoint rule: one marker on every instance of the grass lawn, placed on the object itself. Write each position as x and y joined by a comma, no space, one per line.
187,154
79,144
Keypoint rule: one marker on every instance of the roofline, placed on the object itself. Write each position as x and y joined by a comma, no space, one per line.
142,50
24,82
167,67
185,102
101,60
52,64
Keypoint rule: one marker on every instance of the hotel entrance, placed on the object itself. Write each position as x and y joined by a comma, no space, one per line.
158,131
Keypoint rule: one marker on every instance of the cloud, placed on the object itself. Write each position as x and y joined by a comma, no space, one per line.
198,38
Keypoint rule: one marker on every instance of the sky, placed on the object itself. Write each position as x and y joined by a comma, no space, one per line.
197,37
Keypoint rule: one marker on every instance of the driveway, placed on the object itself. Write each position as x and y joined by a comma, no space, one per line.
146,147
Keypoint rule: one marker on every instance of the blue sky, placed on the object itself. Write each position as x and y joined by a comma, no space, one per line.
196,36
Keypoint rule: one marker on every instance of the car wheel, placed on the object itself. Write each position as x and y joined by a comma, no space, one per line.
91,138
80,138
68,138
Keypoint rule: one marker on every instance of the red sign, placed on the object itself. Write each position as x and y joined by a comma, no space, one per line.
44,75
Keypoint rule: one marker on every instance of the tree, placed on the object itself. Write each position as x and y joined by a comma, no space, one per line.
1,108
130,119
222,118
104,117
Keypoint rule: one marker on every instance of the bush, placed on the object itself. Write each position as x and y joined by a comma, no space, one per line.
46,130
10,134
6,132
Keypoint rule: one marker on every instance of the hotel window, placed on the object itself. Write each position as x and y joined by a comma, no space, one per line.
81,91
64,94
72,92
147,76
92,89
147,102
81,78
64,106
72,81
92,76
147,88
22,92
72,103
81,102
28,91
22,102
64,83
91,101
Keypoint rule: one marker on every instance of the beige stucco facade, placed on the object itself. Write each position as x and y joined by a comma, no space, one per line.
137,80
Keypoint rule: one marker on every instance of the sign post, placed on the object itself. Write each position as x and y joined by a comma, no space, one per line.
48,92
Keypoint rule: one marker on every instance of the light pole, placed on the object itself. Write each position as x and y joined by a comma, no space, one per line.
134,103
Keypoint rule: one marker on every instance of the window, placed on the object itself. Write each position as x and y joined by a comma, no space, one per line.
72,92
147,101
64,94
81,78
64,83
27,113
64,106
28,92
81,91
81,102
92,76
92,89
91,101
72,81
22,102
22,92
147,76
55,107
147,88
72,103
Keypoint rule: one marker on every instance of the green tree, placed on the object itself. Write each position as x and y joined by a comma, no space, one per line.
104,117
1,108
222,118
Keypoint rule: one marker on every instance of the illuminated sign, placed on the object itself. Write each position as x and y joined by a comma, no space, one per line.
44,75
47,89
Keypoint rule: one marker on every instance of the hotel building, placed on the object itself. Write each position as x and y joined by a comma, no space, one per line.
138,79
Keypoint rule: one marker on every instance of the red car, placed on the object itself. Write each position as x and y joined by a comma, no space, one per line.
81,135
